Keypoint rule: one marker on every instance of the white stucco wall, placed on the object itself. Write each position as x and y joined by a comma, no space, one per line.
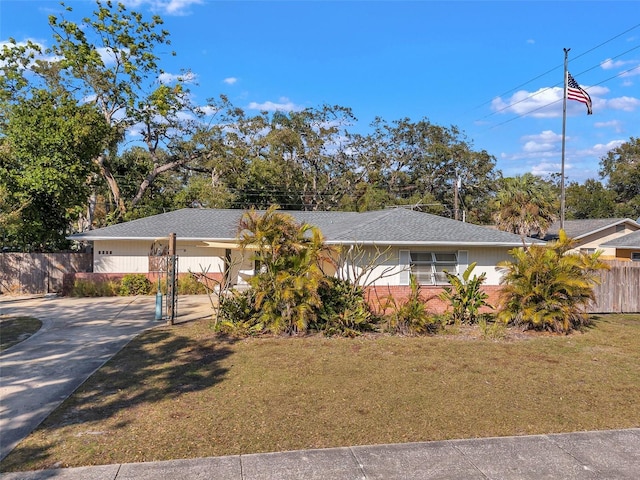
113,256
133,257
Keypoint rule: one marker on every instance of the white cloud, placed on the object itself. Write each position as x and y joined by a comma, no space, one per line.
626,104
544,102
284,105
169,7
544,136
538,104
546,168
615,124
230,80
599,149
531,41
541,144
609,64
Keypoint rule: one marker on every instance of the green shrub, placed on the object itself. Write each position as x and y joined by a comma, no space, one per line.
411,316
465,296
134,284
546,287
344,310
189,285
237,314
90,288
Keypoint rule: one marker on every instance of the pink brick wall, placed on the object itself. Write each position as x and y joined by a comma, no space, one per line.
377,296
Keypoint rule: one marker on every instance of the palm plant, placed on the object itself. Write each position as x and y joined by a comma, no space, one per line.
290,255
525,204
465,295
549,288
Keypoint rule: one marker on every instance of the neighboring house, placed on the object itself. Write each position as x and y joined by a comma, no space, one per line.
400,241
593,234
626,247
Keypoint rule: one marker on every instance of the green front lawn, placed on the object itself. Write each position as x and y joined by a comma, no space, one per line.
181,392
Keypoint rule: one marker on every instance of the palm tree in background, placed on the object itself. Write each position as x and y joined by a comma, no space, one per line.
525,205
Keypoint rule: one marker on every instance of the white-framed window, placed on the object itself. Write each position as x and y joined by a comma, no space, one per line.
588,251
635,256
429,267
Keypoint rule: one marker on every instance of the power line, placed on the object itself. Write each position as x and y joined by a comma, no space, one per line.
553,69
559,100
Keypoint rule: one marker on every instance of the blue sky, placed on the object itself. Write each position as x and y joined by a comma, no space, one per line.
475,65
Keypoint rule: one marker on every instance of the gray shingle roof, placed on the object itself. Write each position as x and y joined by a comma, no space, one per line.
631,240
398,226
577,229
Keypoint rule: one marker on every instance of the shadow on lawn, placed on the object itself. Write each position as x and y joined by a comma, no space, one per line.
159,365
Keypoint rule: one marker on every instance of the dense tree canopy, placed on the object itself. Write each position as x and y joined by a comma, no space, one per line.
621,166
45,162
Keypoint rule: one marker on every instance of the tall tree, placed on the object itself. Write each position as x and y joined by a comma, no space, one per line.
423,163
621,166
589,200
525,204
293,159
110,60
47,148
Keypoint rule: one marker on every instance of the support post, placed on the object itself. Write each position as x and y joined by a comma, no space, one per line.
171,280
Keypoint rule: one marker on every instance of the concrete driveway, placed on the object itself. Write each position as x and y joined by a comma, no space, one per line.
77,337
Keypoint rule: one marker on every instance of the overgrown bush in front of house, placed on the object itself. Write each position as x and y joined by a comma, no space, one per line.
547,287
465,296
135,284
410,316
189,285
237,314
290,255
344,310
92,288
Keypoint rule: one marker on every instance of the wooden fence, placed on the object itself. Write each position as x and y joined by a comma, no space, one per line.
31,273
619,291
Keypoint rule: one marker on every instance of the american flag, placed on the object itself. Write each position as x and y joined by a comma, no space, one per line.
576,92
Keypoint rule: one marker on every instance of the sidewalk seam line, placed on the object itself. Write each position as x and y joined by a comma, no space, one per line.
359,463
595,470
455,447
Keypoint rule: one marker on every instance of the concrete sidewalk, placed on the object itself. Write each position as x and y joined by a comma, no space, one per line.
587,455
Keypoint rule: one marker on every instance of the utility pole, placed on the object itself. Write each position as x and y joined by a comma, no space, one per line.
456,193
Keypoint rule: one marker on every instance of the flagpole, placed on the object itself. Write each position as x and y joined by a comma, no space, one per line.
564,129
